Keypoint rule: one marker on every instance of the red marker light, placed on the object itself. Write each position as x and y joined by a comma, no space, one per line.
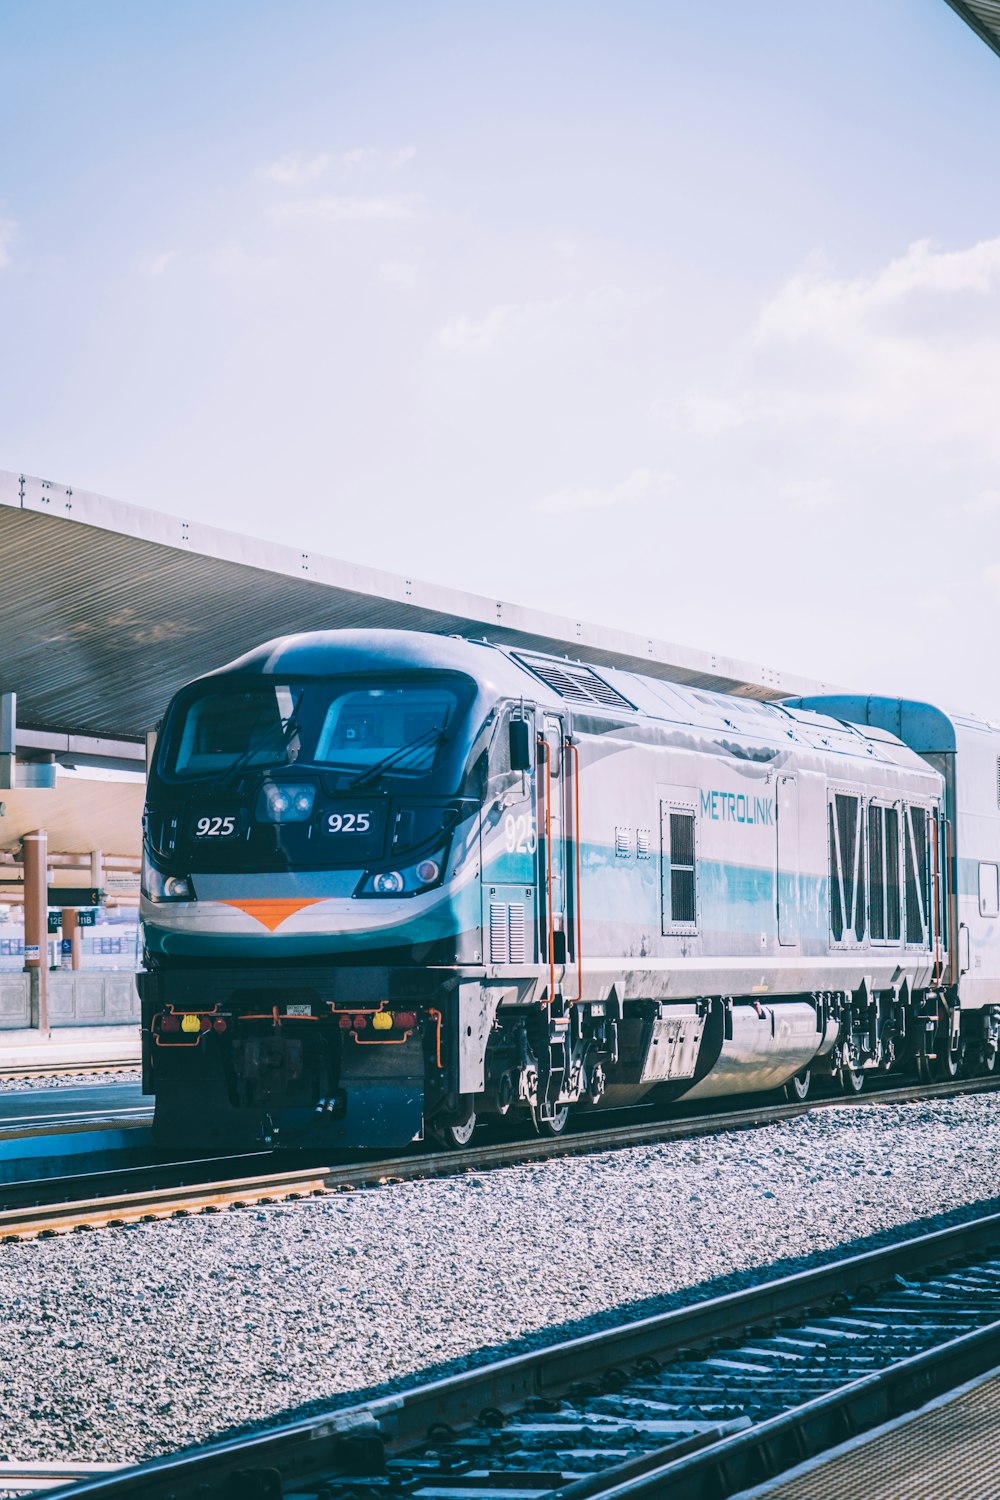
206,1023
170,1023
360,1023
407,1019
345,1023
220,1024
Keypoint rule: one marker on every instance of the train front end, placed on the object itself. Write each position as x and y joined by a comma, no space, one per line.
310,890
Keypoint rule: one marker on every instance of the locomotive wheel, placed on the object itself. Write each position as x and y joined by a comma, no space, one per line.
987,1061
949,1061
850,1080
797,1088
551,1120
456,1135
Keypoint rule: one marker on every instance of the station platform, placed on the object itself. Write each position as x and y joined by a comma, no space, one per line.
946,1450
69,1046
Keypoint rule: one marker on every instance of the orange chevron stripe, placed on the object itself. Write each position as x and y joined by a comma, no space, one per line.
271,913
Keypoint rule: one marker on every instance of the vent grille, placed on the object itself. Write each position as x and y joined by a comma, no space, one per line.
507,933
623,842
515,915
575,683
643,839
499,933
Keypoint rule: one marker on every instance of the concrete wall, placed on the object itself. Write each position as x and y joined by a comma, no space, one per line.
75,999
15,1001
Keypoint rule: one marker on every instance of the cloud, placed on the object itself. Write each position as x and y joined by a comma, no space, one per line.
398,272
574,317
475,336
377,156
8,229
159,263
641,484
350,210
295,169
908,354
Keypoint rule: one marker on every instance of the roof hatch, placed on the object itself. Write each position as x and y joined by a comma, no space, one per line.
574,682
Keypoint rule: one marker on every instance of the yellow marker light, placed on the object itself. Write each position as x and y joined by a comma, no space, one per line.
381,1021
190,1023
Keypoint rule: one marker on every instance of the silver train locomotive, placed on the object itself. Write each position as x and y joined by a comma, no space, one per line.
396,882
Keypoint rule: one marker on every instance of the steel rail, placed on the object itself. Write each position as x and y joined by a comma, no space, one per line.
69,1070
112,1209
352,1440
29,1478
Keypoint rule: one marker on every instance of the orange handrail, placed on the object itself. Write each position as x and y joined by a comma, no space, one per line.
577,889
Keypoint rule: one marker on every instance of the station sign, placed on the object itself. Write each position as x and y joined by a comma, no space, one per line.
84,918
75,895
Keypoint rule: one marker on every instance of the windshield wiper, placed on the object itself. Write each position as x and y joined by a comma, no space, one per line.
288,729
429,736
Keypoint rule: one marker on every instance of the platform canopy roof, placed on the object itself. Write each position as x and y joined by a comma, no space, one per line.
984,18
106,609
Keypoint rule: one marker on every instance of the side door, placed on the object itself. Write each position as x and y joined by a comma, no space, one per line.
510,849
789,884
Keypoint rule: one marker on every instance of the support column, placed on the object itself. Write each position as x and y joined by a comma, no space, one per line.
35,848
71,930
8,740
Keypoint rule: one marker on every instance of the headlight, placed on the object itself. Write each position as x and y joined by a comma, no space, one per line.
159,887
284,802
410,880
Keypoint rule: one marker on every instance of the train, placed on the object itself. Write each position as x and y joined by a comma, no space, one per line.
397,883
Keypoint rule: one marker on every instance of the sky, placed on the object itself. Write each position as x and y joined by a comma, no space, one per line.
680,318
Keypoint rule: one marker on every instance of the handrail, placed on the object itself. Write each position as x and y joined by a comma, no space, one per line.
936,887
574,750
951,887
545,751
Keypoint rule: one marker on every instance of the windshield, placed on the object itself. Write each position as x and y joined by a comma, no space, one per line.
398,728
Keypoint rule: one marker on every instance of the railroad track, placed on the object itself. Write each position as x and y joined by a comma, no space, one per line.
128,1195
705,1400
69,1070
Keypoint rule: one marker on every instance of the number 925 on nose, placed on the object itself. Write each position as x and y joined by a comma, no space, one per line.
356,821
214,826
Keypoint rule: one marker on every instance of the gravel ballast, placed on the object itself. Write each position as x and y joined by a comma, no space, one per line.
32,1081
121,1344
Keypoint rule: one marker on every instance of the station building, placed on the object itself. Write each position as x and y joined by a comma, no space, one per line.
107,609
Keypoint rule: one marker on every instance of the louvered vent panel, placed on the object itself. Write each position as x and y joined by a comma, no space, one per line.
623,842
518,950
642,843
499,933
574,682
507,933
